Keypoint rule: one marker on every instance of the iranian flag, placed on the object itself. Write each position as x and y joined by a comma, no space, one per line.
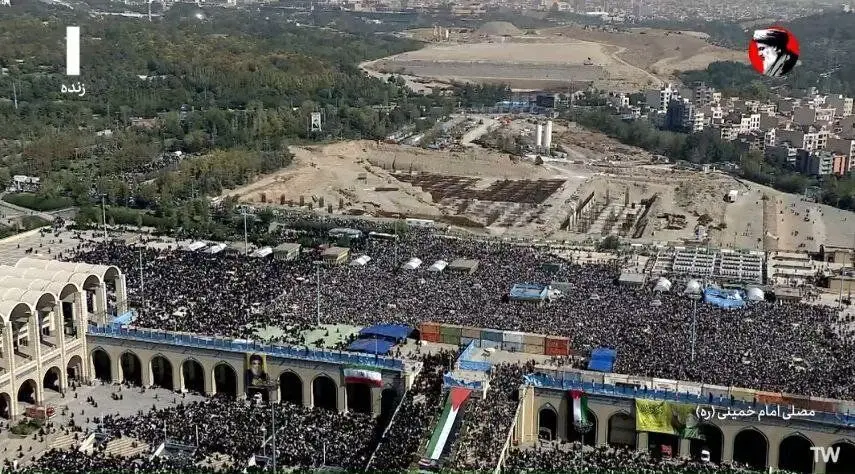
580,409
366,375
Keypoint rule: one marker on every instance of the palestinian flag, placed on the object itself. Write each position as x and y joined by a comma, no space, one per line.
366,375
580,411
455,400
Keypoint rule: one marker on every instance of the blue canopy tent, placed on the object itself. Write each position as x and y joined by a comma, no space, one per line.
371,346
602,359
728,299
393,332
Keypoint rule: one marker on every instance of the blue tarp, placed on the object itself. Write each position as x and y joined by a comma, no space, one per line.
371,346
395,332
528,292
728,299
602,359
126,318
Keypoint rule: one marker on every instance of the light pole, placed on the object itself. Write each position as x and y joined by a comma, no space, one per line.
695,297
318,292
142,284
245,235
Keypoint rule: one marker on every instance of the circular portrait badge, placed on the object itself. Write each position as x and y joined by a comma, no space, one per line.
773,51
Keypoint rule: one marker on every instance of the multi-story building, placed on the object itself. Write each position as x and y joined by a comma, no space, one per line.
842,105
825,114
666,94
781,154
840,164
682,115
813,140
845,147
815,163
770,137
804,116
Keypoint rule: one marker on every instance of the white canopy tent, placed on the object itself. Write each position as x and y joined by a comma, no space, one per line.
438,266
412,264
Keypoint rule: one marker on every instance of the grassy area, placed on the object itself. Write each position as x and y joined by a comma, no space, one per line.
26,427
38,203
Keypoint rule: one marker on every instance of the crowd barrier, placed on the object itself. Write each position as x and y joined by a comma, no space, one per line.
512,341
231,345
449,381
837,412
465,362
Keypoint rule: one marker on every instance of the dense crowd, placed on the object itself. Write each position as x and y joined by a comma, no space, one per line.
305,437
415,418
572,457
487,421
791,348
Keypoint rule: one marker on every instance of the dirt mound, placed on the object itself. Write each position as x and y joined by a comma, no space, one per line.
498,28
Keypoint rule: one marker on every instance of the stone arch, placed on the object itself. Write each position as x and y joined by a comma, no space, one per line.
28,392
388,400
622,430
131,368
291,388
193,376
845,458
161,372
5,406
751,447
74,368
359,398
324,392
795,455
53,379
713,442
225,379
101,365
547,422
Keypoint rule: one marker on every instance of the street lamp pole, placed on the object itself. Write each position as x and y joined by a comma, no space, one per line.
694,323
245,236
318,294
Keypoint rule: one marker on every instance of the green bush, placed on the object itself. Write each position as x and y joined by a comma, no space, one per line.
38,203
26,427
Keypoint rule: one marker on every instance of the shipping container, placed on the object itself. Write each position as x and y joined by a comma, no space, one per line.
770,398
536,339
450,339
431,328
489,344
533,349
744,394
430,337
557,342
491,335
450,329
716,391
512,346
513,336
615,379
465,341
474,333
555,350
802,403
825,405
688,387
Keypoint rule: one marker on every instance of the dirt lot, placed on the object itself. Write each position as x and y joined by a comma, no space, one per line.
364,177
486,191
622,61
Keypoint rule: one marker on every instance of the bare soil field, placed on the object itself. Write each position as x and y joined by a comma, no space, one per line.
564,56
475,186
522,63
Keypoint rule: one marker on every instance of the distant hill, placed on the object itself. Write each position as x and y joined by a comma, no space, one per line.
827,60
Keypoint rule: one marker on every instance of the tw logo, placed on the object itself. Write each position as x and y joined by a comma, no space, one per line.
827,452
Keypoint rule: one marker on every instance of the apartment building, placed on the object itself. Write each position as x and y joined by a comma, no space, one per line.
842,105
815,163
813,140
844,147
781,154
804,116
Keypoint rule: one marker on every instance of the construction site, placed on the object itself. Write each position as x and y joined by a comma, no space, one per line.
535,177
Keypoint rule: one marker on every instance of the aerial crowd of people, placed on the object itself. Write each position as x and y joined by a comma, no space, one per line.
794,348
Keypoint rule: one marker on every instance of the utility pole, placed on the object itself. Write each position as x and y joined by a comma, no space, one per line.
694,324
142,284
318,299
104,216
245,236
273,417
15,95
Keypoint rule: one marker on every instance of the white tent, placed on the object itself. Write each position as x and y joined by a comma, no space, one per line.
755,294
216,248
662,284
194,246
360,261
693,286
438,266
412,264
262,252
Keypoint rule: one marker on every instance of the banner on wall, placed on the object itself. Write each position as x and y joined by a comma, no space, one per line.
678,419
